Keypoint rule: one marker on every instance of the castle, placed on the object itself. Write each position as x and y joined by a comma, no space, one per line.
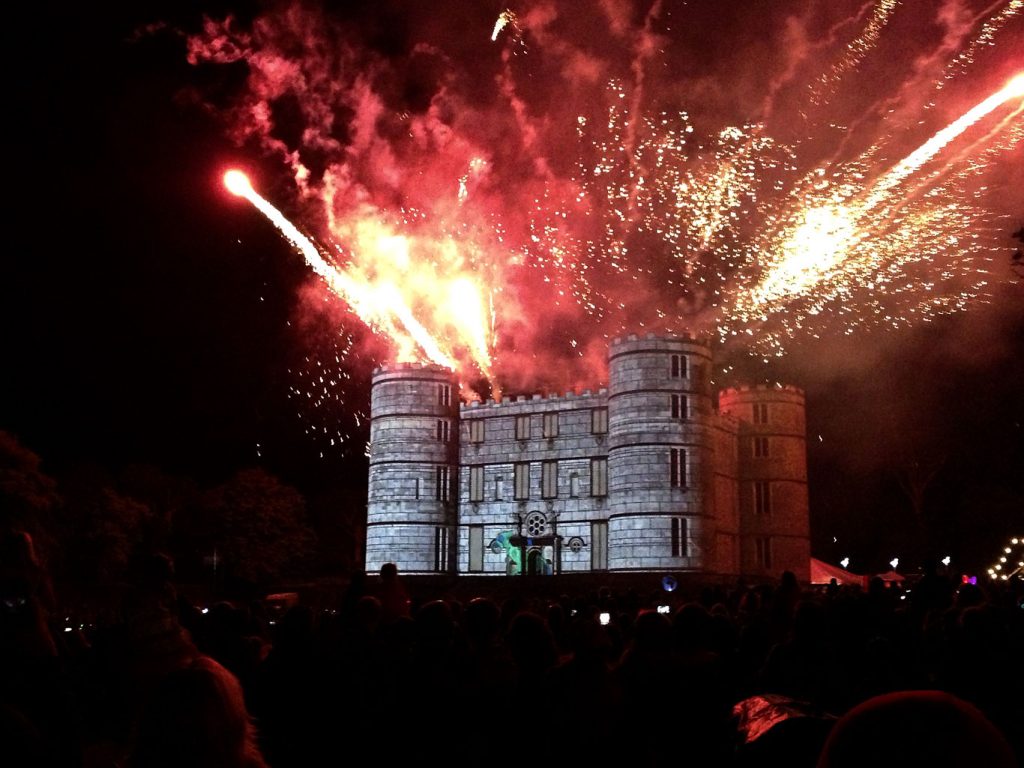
645,475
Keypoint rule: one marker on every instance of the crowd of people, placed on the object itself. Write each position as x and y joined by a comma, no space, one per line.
753,675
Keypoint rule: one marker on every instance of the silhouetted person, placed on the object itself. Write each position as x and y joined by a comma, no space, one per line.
915,728
196,717
394,600
36,709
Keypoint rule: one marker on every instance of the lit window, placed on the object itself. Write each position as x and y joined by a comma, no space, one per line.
599,477
549,480
522,427
476,548
536,524
760,447
444,394
476,483
599,421
760,413
476,430
763,553
677,468
762,497
442,431
678,537
679,407
440,549
522,480
550,425
442,483
677,366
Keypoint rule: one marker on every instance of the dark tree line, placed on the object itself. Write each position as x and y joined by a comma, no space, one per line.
91,524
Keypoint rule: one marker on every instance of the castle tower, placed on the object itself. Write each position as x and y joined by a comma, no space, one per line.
659,454
772,479
411,502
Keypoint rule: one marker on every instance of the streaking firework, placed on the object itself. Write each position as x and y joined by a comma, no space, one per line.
381,304
826,241
473,231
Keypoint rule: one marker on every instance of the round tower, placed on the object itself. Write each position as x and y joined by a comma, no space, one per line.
412,493
772,477
659,453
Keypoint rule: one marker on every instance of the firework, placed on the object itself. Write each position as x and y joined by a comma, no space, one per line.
458,225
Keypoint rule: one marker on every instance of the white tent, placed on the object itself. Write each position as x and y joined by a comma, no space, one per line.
823,573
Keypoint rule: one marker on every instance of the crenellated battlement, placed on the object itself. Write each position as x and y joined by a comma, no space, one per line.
634,338
760,389
574,398
427,367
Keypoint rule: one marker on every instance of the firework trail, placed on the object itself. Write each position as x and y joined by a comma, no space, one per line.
507,224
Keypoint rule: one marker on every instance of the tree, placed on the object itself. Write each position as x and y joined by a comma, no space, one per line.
258,526
104,527
28,496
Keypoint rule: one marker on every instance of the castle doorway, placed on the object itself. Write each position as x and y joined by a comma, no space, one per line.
537,563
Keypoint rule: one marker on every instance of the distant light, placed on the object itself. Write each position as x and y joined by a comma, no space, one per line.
845,562
947,560
67,629
205,610
1007,550
894,562
1013,541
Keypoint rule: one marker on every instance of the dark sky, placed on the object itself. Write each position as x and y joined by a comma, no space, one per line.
150,317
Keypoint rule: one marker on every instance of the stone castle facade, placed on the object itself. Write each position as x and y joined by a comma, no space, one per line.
646,475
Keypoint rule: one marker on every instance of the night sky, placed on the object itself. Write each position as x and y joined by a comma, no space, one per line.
151,317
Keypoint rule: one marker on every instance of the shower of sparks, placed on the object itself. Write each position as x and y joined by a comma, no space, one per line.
505,18
380,301
825,241
758,235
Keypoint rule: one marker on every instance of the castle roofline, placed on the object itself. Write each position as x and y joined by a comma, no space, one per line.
757,388
392,367
574,397
686,336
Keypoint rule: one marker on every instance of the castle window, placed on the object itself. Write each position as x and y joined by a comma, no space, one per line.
762,497
417,487
536,524
679,407
760,413
476,483
476,430
442,483
476,548
677,467
574,484
522,480
444,394
549,480
497,487
599,421
442,431
760,447
599,477
763,552
599,546
677,366
440,549
522,427
679,537
550,425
